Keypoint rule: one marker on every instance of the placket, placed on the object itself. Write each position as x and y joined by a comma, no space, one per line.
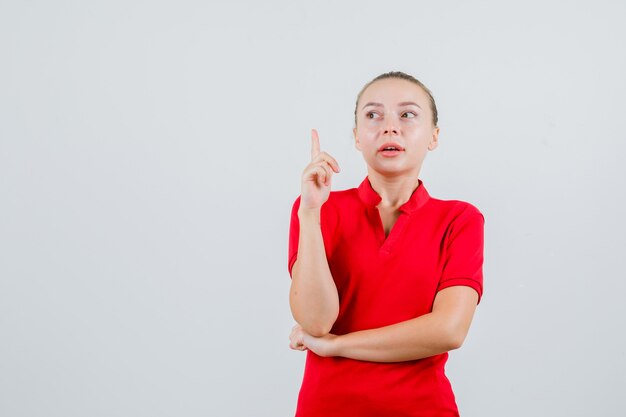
386,244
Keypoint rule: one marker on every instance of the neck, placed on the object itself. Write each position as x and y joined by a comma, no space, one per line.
394,191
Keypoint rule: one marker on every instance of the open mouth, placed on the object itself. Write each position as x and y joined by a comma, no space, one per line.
390,148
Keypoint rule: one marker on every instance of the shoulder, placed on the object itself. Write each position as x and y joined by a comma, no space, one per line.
460,222
455,210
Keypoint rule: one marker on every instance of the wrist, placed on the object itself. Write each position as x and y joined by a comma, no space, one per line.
325,346
309,213
336,346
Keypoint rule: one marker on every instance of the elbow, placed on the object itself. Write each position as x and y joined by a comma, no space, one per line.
316,320
454,337
318,330
455,342
316,327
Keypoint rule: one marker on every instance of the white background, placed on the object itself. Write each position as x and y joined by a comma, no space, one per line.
150,153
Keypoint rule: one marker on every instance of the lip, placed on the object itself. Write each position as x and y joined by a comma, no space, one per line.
390,145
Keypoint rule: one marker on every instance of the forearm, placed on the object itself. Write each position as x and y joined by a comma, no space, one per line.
313,295
442,330
417,338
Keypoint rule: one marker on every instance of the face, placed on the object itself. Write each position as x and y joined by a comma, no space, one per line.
395,113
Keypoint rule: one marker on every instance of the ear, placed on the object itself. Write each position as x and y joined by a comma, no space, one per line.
357,144
434,141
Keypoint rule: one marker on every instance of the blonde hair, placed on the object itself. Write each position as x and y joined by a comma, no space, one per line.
403,76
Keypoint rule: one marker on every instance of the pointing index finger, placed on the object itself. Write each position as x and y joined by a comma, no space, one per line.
315,143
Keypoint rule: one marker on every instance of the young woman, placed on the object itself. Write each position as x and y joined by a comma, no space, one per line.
385,278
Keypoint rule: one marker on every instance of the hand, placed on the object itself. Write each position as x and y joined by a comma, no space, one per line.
316,176
322,346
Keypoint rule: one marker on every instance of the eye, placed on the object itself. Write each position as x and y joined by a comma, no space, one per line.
370,115
409,115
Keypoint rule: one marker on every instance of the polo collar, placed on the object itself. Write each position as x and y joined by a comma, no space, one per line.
371,198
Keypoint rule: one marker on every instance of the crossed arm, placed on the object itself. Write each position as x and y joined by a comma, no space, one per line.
315,306
442,330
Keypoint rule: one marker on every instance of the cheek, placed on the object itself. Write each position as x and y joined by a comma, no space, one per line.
365,134
370,130
414,127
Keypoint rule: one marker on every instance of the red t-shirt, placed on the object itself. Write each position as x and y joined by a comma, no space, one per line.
434,244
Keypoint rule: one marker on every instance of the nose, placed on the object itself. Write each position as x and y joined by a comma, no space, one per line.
390,127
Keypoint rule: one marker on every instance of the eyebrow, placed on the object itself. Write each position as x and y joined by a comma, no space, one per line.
404,103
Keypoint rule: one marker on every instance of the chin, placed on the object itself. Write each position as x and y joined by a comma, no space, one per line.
389,172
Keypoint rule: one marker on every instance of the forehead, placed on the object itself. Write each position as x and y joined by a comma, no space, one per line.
390,91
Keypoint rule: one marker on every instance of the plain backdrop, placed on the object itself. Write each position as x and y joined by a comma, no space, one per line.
150,153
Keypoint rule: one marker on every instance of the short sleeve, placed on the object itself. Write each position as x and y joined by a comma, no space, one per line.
294,234
463,245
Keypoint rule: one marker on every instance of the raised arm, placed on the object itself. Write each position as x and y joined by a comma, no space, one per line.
442,330
313,294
